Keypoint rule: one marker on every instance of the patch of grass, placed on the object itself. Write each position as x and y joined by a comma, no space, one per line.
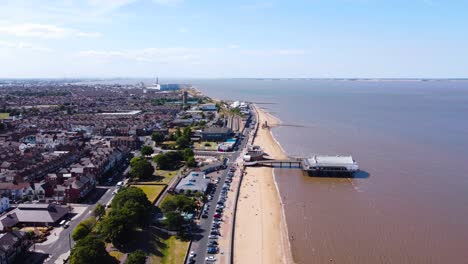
117,255
151,191
172,249
4,115
175,251
205,145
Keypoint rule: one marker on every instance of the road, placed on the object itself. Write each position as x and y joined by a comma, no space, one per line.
60,248
200,241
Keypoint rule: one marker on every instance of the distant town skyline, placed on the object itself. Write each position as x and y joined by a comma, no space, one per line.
235,39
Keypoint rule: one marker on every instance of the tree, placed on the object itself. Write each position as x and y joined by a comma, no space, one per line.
182,142
157,137
146,150
191,163
130,209
130,194
99,211
136,257
141,168
89,250
178,203
188,153
169,160
81,231
174,221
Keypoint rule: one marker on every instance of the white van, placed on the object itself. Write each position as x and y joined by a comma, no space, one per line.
62,222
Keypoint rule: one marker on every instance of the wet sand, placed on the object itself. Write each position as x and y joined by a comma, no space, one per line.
261,232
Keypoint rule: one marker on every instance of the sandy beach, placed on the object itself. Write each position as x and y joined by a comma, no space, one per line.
261,232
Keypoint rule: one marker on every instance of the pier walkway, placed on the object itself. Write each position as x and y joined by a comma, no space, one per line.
314,164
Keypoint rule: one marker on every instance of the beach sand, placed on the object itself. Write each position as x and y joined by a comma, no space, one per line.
261,234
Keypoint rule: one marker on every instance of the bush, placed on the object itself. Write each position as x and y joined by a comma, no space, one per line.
136,257
99,211
146,150
81,231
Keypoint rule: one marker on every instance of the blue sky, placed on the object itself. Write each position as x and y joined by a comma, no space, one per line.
213,39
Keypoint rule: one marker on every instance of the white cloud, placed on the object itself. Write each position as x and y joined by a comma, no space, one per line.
274,52
168,2
43,31
162,55
23,46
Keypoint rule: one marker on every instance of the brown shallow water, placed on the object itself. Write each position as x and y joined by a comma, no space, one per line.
412,208
411,137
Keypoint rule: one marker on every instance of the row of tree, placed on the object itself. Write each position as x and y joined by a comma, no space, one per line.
172,159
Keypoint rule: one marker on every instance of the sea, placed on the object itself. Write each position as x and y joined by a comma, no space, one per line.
409,203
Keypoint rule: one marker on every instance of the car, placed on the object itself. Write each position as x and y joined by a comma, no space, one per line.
192,254
204,216
220,202
212,250
215,232
217,220
217,216
219,210
219,206
66,225
213,237
210,259
213,242
216,225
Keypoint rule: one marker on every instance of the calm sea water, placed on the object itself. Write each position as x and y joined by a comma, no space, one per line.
410,137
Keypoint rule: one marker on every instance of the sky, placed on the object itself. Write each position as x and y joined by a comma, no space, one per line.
234,39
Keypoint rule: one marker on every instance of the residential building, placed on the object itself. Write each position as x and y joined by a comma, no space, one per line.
12,244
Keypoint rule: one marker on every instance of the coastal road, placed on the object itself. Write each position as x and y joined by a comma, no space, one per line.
200,243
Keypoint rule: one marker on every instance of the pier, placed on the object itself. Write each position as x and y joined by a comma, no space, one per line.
315,165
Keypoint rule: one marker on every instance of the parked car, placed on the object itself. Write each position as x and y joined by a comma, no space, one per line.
204,216
192,254
210,259
212,250
217,216
213,237
213,243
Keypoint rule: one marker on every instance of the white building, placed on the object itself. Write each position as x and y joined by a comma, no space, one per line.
196,181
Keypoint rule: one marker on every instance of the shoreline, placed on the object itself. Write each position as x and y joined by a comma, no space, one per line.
260,214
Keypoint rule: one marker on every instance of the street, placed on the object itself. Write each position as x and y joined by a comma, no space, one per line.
59,249
200,240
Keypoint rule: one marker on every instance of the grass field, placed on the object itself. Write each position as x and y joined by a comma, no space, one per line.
151,191
160,247
4,115
173,251
206,145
